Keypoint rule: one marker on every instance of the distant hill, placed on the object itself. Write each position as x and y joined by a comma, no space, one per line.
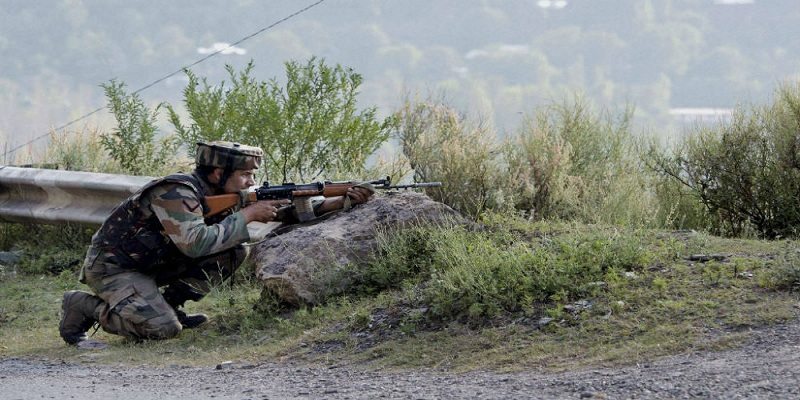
497,58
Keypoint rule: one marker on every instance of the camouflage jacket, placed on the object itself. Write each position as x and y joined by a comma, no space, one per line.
164,220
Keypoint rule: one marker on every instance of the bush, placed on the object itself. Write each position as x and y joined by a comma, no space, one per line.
571,162
79,151
746,173
783,272
442,145
678,206
566,162
308,128
477,275
133,142
46,249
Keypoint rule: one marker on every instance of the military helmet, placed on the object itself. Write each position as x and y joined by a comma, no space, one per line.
228,155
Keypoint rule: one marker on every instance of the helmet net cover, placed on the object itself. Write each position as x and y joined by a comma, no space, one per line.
229,156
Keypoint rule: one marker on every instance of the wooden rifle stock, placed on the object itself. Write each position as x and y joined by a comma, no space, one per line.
219,203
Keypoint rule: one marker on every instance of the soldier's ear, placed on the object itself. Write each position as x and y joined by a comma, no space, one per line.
215,176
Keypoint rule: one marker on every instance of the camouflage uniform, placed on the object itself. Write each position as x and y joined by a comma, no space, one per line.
159,238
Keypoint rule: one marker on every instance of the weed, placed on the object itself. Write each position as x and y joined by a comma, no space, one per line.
133,142
783,272
475,300
47,249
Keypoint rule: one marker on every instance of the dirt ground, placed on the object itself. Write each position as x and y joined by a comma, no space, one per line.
768,367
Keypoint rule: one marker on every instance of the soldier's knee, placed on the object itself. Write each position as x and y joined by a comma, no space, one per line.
169,331
135,318
161,329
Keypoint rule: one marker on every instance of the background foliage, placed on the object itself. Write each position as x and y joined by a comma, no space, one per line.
499,58
746,173
309,127
133,143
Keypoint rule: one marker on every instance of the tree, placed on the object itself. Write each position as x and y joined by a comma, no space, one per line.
310,127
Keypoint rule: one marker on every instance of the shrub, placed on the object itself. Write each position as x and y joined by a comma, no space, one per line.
783,272
79,151
570,162
566,162
483,274
133,142
308,128
678,206
746,173
46,249
442,145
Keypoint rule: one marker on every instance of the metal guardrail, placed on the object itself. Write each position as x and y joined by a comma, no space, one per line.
54,196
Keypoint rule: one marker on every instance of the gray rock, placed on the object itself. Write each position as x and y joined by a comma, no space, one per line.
10,257
224,365
543,322
578,306
292,261
707,257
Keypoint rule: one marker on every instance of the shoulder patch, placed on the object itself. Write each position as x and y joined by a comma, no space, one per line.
191,207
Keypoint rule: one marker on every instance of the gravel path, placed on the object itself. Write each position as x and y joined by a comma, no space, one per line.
767,367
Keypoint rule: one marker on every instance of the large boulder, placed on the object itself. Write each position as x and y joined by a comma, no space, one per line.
295,259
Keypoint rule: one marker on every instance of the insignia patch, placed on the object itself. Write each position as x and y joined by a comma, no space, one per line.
191,207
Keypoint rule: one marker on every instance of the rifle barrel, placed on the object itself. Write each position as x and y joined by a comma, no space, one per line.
417,185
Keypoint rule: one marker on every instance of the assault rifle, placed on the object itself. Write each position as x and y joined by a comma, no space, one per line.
300,193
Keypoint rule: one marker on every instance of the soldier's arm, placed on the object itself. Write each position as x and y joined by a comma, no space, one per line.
181,215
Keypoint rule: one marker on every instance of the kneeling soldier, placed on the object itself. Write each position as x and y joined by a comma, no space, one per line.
156,250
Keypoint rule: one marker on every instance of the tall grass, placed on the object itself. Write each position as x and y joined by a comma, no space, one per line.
79,151
444,145
567,161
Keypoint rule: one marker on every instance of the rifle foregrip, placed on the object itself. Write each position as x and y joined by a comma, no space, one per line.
336,189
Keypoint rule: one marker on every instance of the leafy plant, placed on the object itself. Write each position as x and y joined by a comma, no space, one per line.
746,173
309,127
133,142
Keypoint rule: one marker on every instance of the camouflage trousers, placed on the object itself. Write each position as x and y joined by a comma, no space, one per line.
136,307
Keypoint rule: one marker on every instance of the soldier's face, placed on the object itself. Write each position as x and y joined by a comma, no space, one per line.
240,180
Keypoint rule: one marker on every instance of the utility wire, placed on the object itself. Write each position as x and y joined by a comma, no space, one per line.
181,69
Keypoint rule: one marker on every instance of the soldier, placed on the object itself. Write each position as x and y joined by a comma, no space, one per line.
158,238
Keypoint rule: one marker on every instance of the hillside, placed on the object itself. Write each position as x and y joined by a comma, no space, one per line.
500,59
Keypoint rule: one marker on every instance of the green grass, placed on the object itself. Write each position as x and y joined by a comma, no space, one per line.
467,300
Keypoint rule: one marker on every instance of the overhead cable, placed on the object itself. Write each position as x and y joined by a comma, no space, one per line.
171,74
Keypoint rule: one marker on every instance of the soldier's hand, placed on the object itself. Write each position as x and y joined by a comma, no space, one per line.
358,195
264,210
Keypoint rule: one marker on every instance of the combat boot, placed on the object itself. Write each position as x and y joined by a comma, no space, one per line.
190,321
178,293
78,314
